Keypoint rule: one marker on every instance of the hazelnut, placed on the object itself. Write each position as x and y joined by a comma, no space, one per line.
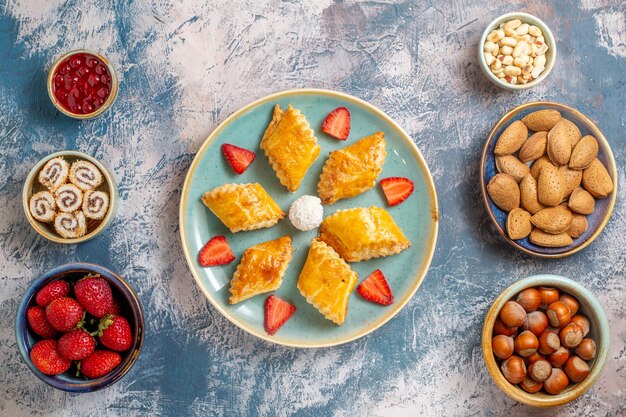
530,385
500,328
540,370
513,314
571,302
502,346
526,343
558,314
576,369
536,322
582,322
557,382
586,349
514,369
549,343
529,299
558,358
548,296
571,335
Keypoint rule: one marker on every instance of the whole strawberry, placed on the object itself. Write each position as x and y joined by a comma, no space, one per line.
99,363
114,332
94,293
64,314
46,357
76,344
36,317
51,292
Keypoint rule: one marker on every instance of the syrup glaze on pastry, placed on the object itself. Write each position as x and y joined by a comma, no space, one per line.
42,206
360,234
261,269
243,206
95,204
352,170
85,175
69,198
326,281
290,145
54,173
70,225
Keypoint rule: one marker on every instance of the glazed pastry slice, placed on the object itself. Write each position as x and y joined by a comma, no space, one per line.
352,170
290,145
326,281
360,234
243,206
261,269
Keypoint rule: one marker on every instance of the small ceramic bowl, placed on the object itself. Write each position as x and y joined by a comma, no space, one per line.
130,308
531,20
603,208
109,100
599,331
94,227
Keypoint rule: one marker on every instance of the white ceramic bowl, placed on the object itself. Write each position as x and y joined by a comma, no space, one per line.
531,20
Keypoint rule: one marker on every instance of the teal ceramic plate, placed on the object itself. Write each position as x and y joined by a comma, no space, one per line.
417,216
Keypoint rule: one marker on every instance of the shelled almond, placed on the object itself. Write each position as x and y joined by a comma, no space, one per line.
549,181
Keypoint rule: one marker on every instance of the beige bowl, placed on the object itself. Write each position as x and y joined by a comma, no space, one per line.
94,227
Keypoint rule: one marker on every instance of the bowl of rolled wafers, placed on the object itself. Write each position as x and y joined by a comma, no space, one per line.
69,197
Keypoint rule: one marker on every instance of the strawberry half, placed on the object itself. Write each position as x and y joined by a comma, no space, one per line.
337,123
277,312
397,189
376,289
238,158
216,252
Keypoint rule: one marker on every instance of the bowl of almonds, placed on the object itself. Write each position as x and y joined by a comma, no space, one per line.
548,179
517,51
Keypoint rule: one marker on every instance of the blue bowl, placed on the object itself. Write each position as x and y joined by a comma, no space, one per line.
130,309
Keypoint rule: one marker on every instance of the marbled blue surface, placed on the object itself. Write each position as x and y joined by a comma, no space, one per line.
184,67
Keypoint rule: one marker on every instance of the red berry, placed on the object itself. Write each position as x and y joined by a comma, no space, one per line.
337,123
396,189
216,252
51,292
64,314
94,293
36,316
238,158
376,289
99,363
277,312
46,357
114,332
76,344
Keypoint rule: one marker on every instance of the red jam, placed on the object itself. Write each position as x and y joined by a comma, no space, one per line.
82,83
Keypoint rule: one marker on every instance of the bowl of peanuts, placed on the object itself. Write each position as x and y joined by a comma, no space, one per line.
517,51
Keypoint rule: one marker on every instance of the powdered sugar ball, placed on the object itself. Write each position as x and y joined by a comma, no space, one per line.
306,212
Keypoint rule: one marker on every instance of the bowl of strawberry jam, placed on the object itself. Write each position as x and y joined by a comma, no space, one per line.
82,84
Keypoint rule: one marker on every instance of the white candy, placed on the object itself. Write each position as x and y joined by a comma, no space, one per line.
306,213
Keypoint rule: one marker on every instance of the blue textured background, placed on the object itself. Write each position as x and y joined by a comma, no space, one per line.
186,66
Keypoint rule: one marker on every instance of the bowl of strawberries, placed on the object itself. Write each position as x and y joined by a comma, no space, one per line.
80,327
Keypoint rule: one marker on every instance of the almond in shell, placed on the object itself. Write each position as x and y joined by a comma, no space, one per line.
509,164
528,195
536,167
553,220
596,180
542,119
572,179
541,238
578,226
581,202
534,147
584,153
511,139
518,224
559,146
504,192
550,186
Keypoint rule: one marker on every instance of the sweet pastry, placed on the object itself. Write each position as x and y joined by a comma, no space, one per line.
243,206
54,173
352,170
95,204
360,234
69,198
326,281
42,206
261,269
70,225
290,145
85,175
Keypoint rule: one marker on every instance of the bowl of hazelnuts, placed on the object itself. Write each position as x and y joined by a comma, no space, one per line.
545,340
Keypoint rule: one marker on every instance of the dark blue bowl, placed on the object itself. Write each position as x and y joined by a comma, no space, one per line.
129,306
604,207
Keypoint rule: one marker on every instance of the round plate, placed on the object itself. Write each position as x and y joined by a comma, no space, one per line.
417,216
604,207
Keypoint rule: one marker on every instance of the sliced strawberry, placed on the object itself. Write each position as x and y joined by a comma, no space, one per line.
238,158
216,252
337,123
375,288
277,312
397,189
